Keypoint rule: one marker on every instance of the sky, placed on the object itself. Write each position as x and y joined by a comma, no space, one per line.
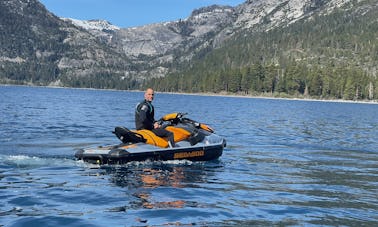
130,13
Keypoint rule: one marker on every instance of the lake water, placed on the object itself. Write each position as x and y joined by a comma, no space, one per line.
287,163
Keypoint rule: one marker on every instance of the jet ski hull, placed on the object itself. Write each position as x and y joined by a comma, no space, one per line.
124,153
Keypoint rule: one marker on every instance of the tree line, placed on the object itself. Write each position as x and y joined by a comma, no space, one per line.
271,80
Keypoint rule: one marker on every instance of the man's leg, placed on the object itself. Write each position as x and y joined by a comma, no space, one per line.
165,133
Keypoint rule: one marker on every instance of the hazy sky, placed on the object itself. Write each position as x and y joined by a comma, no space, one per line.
130,13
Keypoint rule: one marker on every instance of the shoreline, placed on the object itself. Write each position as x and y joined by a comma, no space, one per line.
221,94
272,98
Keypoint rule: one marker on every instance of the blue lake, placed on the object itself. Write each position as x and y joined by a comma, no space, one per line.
287,163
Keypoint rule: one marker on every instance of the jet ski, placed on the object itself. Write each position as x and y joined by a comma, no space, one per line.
194,141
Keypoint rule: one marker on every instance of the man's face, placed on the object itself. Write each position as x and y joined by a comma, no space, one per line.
149,95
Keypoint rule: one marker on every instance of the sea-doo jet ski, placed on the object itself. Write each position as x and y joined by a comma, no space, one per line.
193,141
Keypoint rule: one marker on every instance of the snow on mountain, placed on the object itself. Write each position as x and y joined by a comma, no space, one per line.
101,25
274,13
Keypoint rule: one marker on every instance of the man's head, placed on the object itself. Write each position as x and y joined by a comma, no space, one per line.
149,95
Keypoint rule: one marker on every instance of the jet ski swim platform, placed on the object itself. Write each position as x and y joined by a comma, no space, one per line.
194,141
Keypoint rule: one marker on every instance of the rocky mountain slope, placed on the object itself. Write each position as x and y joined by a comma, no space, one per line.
39,48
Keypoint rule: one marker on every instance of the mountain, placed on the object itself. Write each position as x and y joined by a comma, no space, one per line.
162,43
39,48
316,48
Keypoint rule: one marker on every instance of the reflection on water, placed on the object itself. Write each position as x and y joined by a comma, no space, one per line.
159,175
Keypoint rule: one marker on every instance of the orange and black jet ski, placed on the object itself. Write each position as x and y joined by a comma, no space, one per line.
194,141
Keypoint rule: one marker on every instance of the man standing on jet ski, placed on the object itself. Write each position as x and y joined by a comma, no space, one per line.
144,118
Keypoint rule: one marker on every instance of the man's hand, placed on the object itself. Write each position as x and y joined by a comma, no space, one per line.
156,125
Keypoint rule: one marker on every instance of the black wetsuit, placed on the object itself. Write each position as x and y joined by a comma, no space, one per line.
144,119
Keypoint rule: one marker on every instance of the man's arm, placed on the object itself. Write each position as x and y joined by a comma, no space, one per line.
147,124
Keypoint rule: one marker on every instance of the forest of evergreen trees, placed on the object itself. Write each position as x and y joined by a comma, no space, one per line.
273,81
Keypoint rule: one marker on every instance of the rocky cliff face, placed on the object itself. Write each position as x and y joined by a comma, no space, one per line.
162,38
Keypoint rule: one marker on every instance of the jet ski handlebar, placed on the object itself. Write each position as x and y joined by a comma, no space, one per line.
175,118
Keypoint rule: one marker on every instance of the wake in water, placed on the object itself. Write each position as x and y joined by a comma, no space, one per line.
24,161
